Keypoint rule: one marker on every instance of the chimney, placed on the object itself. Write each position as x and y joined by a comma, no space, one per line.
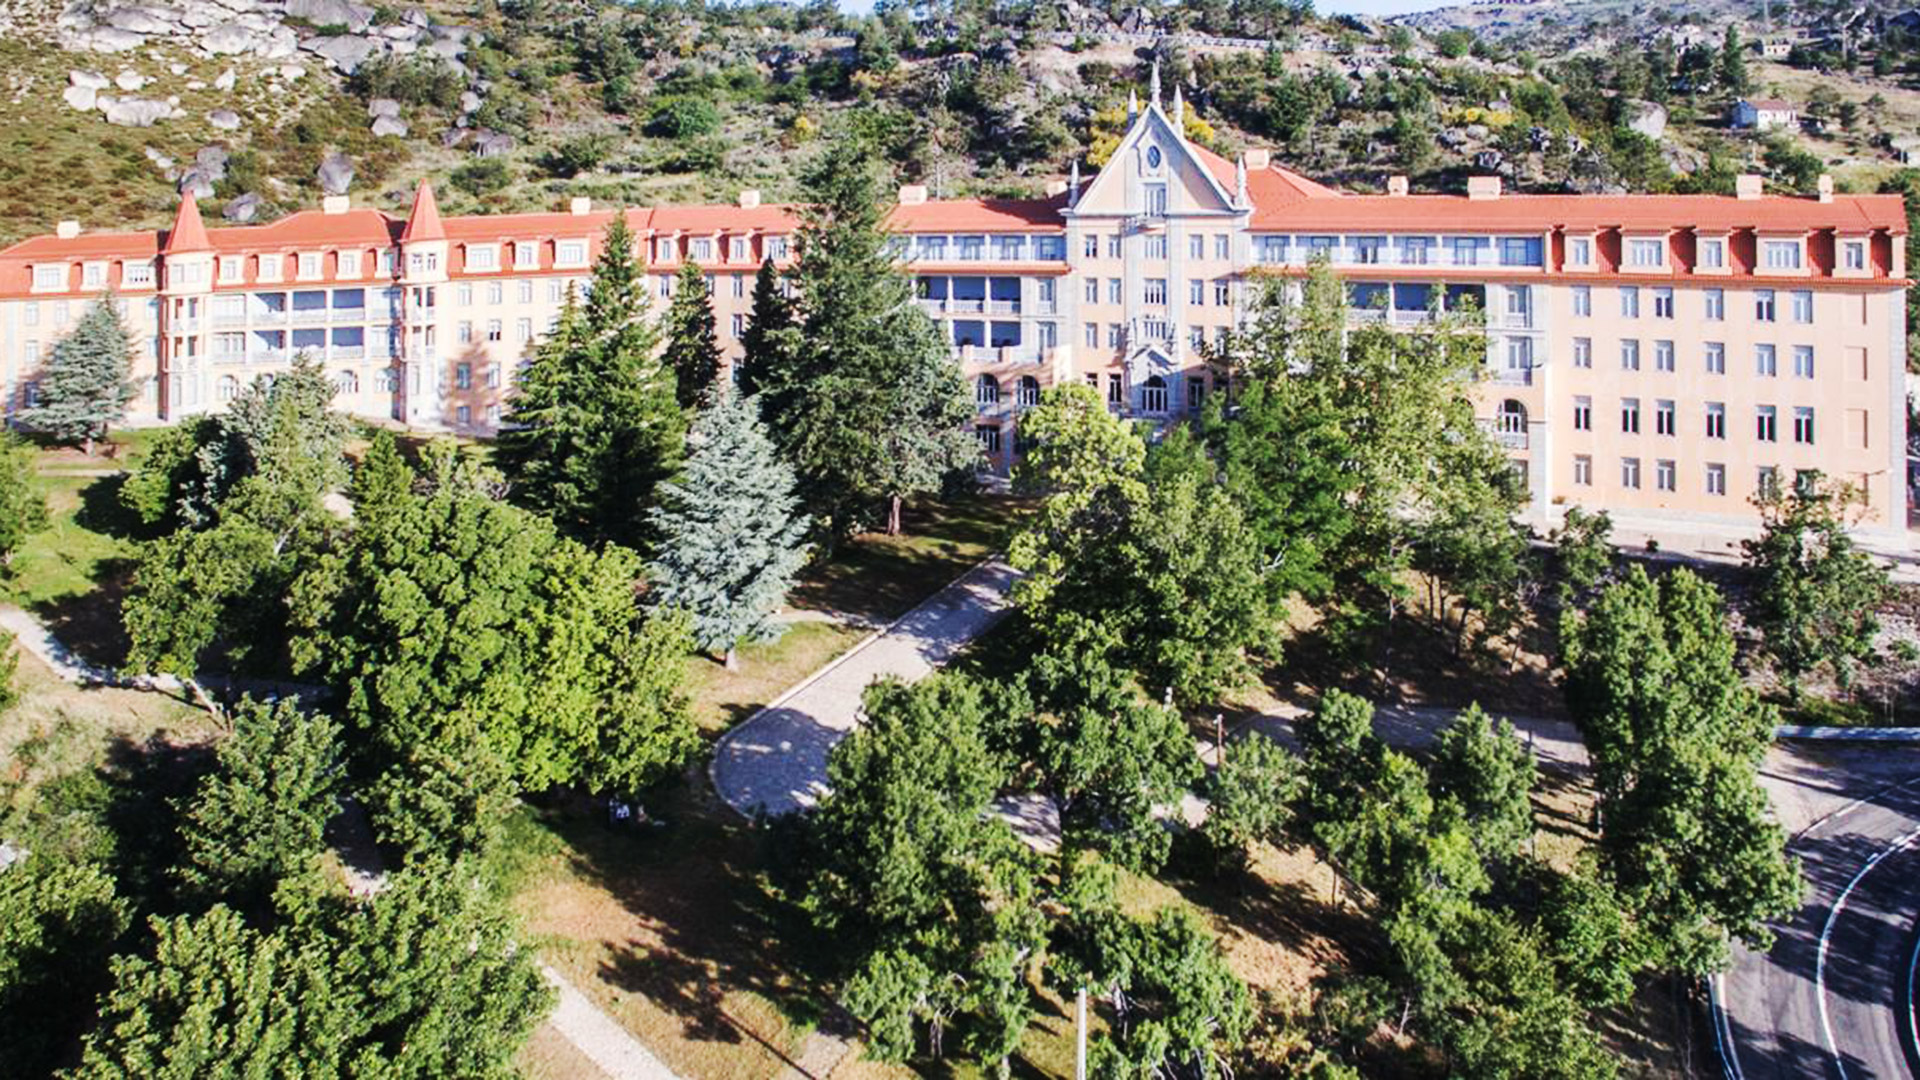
67,230
1396,185
1258,159
749,198
1746,186
335,204
580,204
913,195
1056,187
1825,188
1483,188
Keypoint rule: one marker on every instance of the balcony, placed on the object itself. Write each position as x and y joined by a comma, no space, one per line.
183,324
1512,440
305,316
350,315
228,319
1513,377
347,352
267,356
1003,307
1521,320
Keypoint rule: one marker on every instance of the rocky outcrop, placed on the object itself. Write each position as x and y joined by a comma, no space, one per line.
224,120
242,209
335,174
253,28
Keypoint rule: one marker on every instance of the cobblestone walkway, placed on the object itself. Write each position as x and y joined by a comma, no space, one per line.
777,760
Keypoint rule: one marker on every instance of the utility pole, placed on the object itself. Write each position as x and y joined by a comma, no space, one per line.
1080,1034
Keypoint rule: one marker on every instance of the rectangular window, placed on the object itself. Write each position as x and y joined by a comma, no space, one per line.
1716,478
463,295
1113,246
496,294
1090,246
526,292
1582,301
1583,470
1803,361
230,268
525,327
1854,255
1716,420
1766,361
1766,480
1196,290
1156,291
136,273
1582,352
739,286
526,256
1646,253
1629,302
1713,254
1116,389
349,264
1093,335
1665,476
1222,292
1629,355
1802,306
739,326
1156,246
1223,246
1763,306
1782,254
1716,358
309,264
556,289
1663,303
1113,290
463,376
1716,300
1583,414
1630,473
1197,246
570,253
1803,425
493,330
1630,416
700,249
1663,418
665,250
1579,251
1113,335
463,331
1090,289
1766,424
1663,356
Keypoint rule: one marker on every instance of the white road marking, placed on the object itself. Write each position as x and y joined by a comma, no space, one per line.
1826,934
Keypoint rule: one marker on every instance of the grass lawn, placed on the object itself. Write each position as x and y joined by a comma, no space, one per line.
723,698
879,577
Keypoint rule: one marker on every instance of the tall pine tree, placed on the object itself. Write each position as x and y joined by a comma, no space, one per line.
730,539
594,425
870,405
768,343
693,349
84,386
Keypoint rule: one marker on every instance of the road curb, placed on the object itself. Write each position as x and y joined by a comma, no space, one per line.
1848,734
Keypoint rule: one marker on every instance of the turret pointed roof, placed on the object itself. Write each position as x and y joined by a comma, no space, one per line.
189,233
423,221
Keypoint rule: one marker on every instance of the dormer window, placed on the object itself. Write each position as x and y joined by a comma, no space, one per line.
571,253
1579,251
423,262
1853,255
483,257
700,250
49,277
526,256
270,266
1646,254
1781,254
93,275
776,247
739,249
309,264
230,268
663,250
136,273
1713,254
349,264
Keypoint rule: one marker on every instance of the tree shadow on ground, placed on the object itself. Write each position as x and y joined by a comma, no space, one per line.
879,578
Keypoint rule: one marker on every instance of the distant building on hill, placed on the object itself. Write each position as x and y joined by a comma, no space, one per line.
1763,114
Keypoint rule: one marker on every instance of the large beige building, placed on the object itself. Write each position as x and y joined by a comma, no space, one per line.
1657,356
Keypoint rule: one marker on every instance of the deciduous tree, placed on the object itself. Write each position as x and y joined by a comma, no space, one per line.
23,510
1815,595
1483,767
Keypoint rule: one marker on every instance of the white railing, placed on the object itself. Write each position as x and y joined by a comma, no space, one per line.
267,356
230,320
350,315
1003,307
183,323
347,352
1389,260
310,315
1513,440
1513,376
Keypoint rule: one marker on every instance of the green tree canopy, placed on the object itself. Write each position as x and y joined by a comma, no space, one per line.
59,922
692,350
1815,595
1484,768
83,388
23,510
731,538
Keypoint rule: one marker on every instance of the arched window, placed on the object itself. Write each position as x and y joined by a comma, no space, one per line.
1153,395
1513,418
1029,392
228,389
986,391
347,382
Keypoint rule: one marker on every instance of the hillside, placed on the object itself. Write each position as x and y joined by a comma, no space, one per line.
108,108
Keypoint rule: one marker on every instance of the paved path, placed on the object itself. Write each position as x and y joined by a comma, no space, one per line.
596,1035
776,760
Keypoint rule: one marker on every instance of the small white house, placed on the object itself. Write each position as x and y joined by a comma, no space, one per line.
1762,114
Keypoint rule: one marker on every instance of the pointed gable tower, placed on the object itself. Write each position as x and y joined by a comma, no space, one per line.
423,221
189,233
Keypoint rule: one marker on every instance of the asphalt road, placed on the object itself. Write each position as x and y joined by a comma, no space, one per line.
1831,999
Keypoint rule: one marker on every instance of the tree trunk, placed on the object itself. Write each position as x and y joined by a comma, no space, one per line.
893,515
732,661
88,444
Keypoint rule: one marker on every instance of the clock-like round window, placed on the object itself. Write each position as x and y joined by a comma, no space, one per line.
1153,157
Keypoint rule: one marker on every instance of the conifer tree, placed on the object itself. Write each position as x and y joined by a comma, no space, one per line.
22,510
693,349
771,335
730,539
870,406
594,425
84,387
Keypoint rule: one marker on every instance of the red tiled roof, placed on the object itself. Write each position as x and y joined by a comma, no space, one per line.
980,215
423,221
1539,213
188,232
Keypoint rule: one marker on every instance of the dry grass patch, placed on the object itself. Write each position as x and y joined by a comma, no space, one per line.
549,1056
723,698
